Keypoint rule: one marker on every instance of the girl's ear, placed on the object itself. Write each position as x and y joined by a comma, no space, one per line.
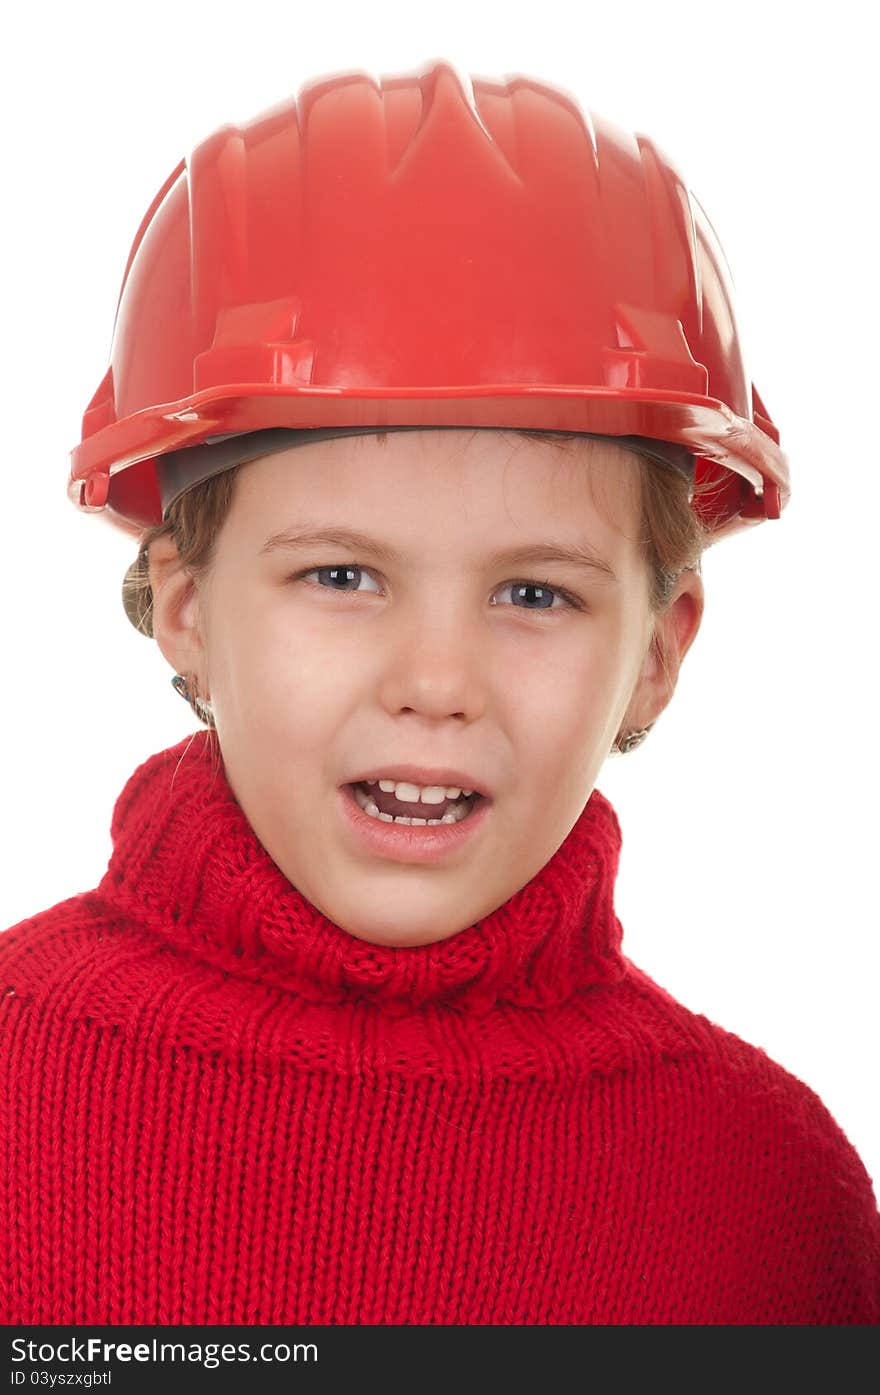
675,630
175,608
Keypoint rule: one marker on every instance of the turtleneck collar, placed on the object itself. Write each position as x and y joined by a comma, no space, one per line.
187,864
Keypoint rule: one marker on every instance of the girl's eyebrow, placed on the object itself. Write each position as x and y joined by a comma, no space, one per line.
575,554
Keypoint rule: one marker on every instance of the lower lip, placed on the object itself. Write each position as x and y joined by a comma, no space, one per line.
405,842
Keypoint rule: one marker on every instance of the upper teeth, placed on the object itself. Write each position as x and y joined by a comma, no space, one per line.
419,794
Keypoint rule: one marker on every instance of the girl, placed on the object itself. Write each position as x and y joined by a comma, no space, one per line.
423,404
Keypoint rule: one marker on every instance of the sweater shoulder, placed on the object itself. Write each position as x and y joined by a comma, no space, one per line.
774,1144
47,947
744,1074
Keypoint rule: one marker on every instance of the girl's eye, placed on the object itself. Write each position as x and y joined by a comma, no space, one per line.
538,592
340,576
543,594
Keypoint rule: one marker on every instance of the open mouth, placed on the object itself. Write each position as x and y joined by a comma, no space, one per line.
384,806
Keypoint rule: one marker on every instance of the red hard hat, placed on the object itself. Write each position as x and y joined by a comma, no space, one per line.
425,251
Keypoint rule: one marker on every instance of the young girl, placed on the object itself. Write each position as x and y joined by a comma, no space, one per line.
423,404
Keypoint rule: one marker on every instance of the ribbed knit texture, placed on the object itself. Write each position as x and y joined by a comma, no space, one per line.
218,1107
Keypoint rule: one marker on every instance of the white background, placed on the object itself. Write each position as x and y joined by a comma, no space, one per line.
747,885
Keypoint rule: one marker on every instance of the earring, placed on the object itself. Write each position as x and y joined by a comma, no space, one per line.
631,740
202,707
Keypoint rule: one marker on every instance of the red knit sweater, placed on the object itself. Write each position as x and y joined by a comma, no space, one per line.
218,1107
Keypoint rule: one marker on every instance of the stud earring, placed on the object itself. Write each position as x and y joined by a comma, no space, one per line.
631,740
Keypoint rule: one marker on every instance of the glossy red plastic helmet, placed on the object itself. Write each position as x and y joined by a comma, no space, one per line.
424,250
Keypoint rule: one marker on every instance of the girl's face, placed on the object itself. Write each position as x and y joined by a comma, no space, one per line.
427,648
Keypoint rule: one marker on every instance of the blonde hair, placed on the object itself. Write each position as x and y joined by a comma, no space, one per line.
672,539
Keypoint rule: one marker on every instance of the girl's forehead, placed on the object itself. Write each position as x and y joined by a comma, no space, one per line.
488,491
453,452
485,470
